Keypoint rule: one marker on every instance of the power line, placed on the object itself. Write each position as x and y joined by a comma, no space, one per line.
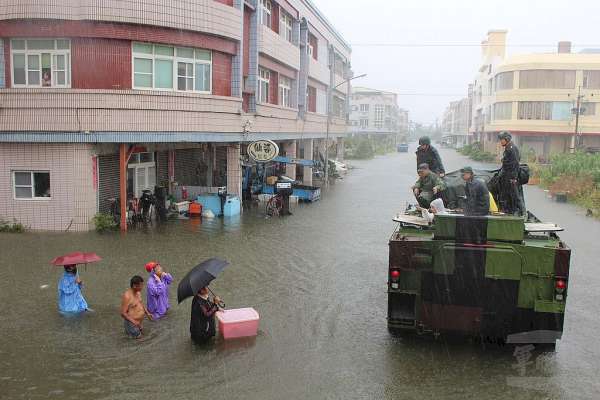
553,45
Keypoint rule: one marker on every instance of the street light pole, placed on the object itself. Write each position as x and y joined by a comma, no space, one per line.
329,101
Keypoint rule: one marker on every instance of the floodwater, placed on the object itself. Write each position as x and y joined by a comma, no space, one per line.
318,280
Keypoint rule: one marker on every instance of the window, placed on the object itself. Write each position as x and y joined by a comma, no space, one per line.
364,108
503,110
266,8
286,26
588,109
285,90
388,109
547,79
364,123
490,87
41,62
488,114
310,50
31,184
321,101
591,79
171,68
379,116
313,47
504,80
338,107
264,80
545,110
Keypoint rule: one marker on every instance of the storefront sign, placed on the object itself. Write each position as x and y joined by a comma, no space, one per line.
263,150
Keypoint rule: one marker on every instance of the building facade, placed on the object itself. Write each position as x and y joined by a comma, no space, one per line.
376,112
536,98
103,101
456,122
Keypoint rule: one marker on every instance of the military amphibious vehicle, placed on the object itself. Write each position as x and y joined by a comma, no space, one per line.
500,278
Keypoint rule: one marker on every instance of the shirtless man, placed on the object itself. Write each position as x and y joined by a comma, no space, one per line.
133,310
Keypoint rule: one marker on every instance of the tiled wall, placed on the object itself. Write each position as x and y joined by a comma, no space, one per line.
2,66
73,197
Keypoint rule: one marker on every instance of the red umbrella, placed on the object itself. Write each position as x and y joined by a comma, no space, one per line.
76,258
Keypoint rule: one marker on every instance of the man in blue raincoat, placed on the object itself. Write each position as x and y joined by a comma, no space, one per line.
70,299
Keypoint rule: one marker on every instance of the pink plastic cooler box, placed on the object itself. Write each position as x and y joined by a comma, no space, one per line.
238,322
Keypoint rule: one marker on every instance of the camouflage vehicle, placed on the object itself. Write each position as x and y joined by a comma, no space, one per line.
499,278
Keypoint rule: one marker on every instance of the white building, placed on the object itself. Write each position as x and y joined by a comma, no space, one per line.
376,112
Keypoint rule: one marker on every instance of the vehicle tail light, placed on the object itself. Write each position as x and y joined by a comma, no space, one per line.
560,285
394,274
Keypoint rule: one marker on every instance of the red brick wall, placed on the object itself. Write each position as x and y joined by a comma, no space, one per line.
312,99
221,74
100,64
246,39
275,18
227,2
274,88
7,65
312,40
106,30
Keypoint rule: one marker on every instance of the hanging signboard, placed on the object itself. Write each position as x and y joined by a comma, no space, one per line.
263,150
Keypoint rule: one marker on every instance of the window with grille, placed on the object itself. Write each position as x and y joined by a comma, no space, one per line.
379,110
41,62
545,110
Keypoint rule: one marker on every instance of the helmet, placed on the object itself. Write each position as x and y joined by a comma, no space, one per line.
424,140
150,266
468,170
423,167
505,135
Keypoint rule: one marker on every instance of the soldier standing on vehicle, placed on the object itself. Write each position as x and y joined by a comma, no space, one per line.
428,187
427,154
510,191
478,196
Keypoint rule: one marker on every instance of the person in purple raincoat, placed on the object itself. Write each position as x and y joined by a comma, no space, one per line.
157,290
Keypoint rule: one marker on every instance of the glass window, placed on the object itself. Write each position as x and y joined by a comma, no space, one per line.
503,110
285,90
265,14
546,79
163,74
203,78
41,62
286,26
185,76
591,79
31,184
545,110
588,109
167,67
263,85
561,111
185,52
504,81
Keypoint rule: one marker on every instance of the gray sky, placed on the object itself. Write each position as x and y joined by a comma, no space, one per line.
443,73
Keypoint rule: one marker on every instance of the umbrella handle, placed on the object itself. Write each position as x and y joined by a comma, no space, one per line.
221,303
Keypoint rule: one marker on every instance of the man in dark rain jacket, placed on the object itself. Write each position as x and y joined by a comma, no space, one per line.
427,154
510,191
478,196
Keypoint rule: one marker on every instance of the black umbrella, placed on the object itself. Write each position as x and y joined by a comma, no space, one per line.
200,276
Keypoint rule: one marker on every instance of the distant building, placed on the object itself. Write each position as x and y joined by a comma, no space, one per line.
534,96
376,112
455,123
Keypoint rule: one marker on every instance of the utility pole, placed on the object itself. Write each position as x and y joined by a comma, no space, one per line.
577,141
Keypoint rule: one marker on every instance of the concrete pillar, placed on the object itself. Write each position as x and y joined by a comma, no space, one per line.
210,161
123,185
290,151
234,170
340,149
237,59
307,145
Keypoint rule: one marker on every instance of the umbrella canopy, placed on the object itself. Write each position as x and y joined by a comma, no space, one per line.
200,276
76,258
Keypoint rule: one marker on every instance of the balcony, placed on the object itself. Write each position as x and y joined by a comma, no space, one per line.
275,46
318,71
206,16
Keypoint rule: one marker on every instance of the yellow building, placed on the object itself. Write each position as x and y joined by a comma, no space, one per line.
535,97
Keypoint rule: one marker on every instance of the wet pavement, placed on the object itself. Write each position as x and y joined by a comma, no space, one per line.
318,279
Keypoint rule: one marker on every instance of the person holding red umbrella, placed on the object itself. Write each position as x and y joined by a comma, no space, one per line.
70,299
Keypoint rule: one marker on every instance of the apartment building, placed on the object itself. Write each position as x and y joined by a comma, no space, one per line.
101,101
376,112
535,97
455,123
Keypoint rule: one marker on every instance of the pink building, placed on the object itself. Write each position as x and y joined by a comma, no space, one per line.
137,94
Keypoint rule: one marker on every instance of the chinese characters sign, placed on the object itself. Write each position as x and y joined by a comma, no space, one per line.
263,150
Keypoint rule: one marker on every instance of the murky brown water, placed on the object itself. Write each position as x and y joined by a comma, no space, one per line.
318,280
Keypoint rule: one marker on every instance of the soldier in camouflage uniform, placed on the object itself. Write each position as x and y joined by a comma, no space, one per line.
428,187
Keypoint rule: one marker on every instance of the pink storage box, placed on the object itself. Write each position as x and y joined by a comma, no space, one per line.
238,322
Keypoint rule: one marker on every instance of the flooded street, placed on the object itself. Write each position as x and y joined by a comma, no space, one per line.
318,280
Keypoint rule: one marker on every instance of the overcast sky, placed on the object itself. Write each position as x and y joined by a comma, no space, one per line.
437,75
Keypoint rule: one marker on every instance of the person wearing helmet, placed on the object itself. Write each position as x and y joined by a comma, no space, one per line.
510,191
157,290
427,154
